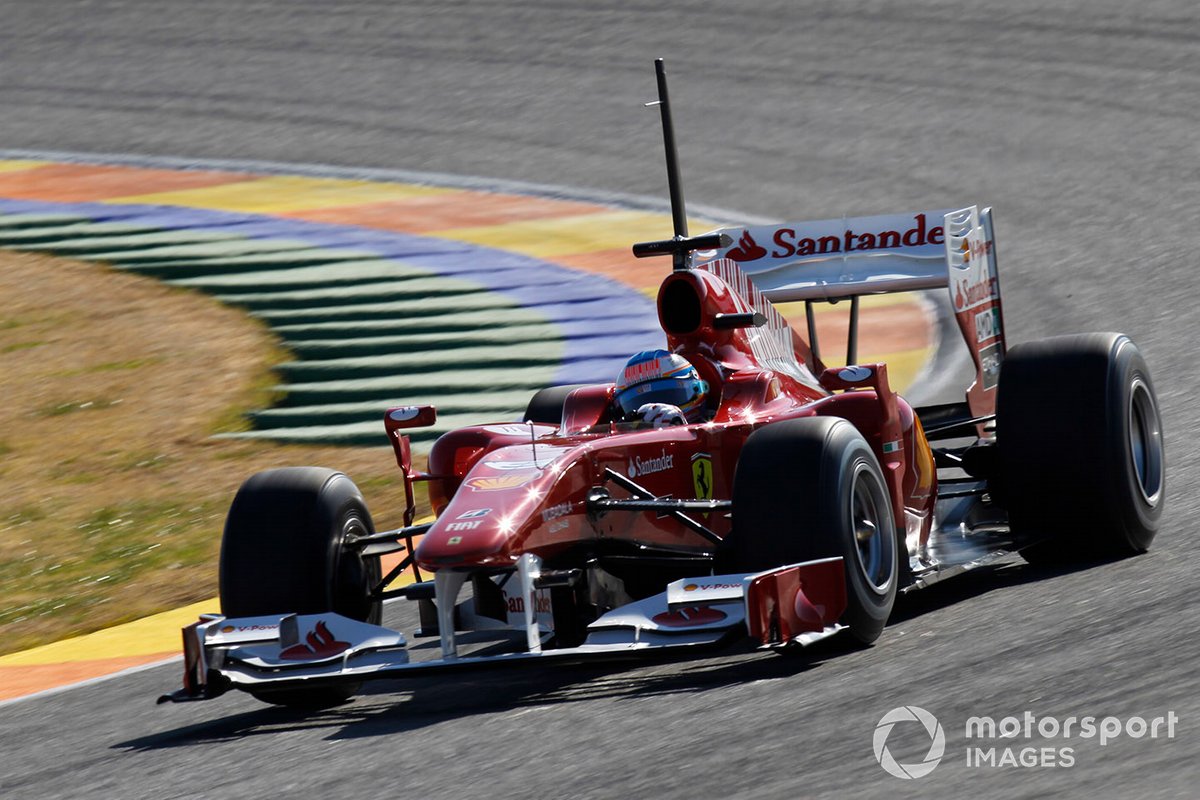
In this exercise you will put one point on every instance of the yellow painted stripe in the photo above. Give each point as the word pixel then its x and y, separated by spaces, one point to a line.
pixel 152 635
pixel 283 194
pixel 16 166
pixel 564 236
pixel 148 636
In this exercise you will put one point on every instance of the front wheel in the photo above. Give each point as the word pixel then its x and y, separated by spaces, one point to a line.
pixel 284 551
pixel 812 488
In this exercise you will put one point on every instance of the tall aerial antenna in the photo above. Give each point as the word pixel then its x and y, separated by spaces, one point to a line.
pixel 681 246
pixel 678 208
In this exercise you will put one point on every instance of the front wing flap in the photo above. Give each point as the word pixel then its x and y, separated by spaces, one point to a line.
pixel 784 607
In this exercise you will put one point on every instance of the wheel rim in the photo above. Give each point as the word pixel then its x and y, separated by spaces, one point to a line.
pixel 874 536
pixel 351 575
pixel 1145 441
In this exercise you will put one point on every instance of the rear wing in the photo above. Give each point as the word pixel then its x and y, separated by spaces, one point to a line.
pixel 843 259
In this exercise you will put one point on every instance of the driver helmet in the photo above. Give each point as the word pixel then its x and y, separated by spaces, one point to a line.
pixel 659 376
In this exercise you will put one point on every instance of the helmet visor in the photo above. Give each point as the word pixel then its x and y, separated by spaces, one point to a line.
pixel 672 391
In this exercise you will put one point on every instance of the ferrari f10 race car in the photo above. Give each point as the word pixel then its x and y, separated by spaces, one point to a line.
pixel 791 505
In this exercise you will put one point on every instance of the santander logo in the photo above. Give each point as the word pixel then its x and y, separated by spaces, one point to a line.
pixel 639 466
pixel 746 249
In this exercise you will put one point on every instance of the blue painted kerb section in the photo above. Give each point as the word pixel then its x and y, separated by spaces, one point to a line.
pixel 582 305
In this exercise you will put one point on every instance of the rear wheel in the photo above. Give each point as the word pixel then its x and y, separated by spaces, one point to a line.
pixel 1081 447
pixel 812 488
pixel 284 551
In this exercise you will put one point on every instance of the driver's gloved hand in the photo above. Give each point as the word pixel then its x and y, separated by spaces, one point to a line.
pixel 660 415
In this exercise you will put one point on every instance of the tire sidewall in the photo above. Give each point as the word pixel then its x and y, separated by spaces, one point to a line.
pixel 868 608
pixel 1139 515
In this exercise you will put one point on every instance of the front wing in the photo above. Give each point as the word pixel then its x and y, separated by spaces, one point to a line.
pixel 789 606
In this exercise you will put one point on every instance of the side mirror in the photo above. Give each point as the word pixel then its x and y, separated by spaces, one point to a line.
pixel 409 417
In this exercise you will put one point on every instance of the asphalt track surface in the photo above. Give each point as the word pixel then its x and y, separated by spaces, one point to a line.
pixel 1074 120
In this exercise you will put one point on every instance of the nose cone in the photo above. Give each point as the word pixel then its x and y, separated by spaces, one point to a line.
pixel 476 537
pixel 498 504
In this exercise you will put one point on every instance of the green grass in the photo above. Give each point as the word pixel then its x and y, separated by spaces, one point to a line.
pixel 16 347
pixel 114 546
pixel 111 366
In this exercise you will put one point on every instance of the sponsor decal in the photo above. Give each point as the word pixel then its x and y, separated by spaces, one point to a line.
pixel 990 358
pixel 319 643
pixel 975 247
pixel 541 604
pixel 515 606
pixel 746 249
pixel 855 374
pixel 404 413
pixel 454 540
pixel 464 526
pixel 643 370
pixel 639 466
pixel 969 294
pixel 249 629
pixel 695 587
pixel 474 513
pixel 689 617
pixel 499 482
pixel 987 324
pixel 558 525
pixel 556 511
pixel 787 244
pixel 702 476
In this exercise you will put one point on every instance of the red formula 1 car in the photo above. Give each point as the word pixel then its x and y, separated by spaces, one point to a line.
pixel 792 507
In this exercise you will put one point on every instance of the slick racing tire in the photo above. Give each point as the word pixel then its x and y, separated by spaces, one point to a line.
pixel 812 488
pixel 284 551
pixel 547 405
pixel 1082 467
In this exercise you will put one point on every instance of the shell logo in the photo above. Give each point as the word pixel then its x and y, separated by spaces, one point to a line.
pixel 493 484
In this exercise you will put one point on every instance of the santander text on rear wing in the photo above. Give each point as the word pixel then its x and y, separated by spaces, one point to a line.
pixel 839 258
